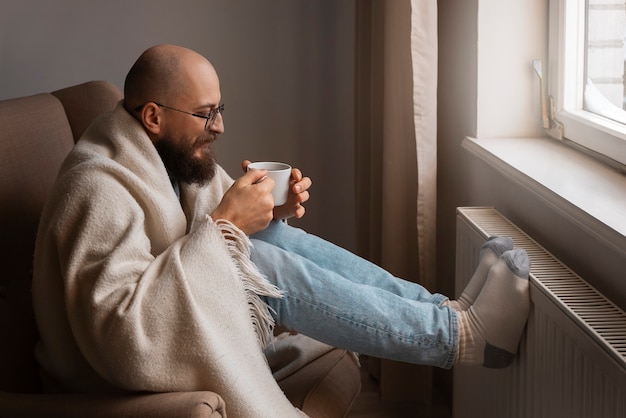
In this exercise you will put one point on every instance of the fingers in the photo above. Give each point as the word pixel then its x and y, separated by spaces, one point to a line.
pixel 299 212
pixel 254 176
pixel 248 203
pixel 301 197
pixel 301 184
pixel 296 174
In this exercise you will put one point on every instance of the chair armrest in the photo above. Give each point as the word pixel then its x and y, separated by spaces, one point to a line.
pixel 171 405
pixel 325 387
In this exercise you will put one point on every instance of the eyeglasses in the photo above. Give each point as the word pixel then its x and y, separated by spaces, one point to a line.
pixel 209 119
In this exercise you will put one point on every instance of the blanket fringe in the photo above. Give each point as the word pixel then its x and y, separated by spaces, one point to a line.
pixel 255 284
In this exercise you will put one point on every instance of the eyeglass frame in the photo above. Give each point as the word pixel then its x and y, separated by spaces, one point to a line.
pixel 209 119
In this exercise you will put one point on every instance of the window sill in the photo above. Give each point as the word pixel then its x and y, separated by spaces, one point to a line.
pixel 574 184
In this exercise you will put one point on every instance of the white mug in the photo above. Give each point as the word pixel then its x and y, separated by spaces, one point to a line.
pixel 280 173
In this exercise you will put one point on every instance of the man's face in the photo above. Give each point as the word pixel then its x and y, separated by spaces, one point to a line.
pixel 188 159
pixel 184 144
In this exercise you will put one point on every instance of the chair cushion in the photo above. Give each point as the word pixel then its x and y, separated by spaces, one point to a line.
pixel 325 387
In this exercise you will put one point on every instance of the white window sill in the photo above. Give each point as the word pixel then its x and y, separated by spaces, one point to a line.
pixel 577 185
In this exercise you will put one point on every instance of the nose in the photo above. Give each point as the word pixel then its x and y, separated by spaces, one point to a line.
pixel 218 124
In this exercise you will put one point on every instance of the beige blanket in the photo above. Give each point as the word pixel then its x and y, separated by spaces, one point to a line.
pixel 135 292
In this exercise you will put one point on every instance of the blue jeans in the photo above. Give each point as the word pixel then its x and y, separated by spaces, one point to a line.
pixel 338 298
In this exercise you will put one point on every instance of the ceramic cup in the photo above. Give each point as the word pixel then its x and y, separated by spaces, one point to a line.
pixel 280 173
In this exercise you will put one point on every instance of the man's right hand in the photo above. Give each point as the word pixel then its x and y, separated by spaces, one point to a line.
pixel 249 203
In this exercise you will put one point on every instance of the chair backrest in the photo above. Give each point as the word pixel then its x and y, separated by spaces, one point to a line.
pixel 35 137
pixel 84 102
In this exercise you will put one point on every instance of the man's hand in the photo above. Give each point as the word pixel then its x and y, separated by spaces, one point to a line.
pixel 298 194
pixel 248 204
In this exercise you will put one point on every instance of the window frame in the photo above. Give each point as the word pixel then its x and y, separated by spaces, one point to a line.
pixel 598 135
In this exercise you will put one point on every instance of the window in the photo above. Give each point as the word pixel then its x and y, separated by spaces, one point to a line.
pixel 586 84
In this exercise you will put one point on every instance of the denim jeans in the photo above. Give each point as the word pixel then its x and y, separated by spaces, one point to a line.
pixel 338 298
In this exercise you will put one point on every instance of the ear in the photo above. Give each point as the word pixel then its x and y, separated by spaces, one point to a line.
pixel 150 117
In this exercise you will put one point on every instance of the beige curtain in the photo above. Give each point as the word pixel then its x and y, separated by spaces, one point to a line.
pixel 396 135
pixel 397 153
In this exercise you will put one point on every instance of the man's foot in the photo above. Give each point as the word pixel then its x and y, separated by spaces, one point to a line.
pixel 491 250
pixel 490 330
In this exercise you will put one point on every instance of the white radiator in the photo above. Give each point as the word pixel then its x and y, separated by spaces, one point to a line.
pixel 572 359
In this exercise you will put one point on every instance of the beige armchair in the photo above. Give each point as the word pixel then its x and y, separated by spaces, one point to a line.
pixel 36 133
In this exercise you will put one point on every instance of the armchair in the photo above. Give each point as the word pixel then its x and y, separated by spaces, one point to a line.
pixel 36 134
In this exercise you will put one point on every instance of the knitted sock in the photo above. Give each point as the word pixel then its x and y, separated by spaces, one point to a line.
pixel 490 330
pixel 491 250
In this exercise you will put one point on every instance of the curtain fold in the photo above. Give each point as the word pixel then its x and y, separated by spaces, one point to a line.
pixel 396 157
pixel 396 152
pixel 424 58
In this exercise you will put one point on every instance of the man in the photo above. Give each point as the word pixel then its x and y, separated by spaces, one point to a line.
pixel 155 271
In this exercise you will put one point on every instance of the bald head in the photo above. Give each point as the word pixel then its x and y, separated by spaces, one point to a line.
pixel 165 73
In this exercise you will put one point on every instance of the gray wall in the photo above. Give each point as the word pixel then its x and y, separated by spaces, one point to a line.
pixel 286 68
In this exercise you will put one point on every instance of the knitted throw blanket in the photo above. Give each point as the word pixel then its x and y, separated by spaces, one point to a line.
pixel 135 292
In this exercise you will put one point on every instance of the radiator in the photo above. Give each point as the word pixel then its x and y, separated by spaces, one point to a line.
pixel 572 358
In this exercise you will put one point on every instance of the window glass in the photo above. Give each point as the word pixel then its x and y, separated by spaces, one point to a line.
pixel 605 55
pixel 586 82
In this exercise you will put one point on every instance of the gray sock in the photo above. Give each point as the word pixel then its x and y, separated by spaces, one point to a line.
pixel 491 250
pixel 490 330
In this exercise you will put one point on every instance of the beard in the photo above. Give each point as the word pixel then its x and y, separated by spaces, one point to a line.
pixel 183 165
